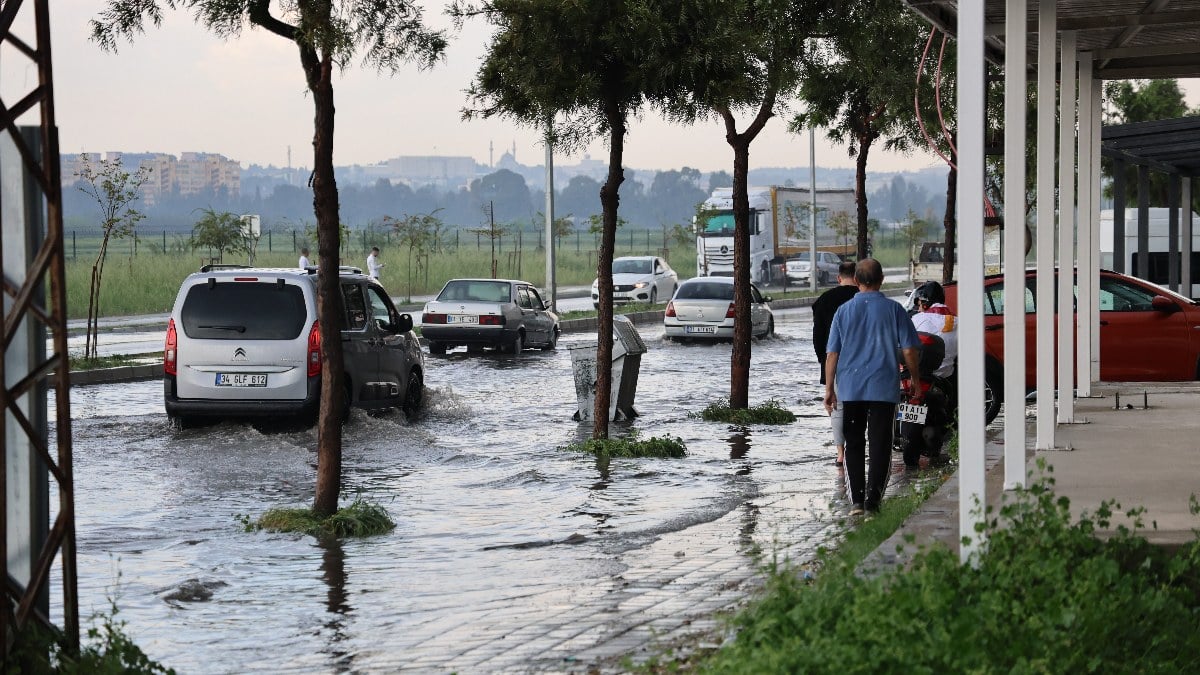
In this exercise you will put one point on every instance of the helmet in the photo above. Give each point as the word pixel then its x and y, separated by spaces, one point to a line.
pixel 930 293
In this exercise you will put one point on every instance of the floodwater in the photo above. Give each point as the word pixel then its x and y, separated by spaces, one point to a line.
pixel 489 510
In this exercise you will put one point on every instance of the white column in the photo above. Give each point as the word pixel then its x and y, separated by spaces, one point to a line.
pixel 1066 230
pixel 1094 228
pixel 970 264
pixel 1185 227
pixel 1087 185
pixel 1015 101
pixel 812 213
pixel 1047 57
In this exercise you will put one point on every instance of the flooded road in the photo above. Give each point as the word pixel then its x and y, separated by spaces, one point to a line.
pixel 493 519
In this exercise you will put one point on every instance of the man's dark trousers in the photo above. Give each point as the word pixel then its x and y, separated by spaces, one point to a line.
pixel 876 418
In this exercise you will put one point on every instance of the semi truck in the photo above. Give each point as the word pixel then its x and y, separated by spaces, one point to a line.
pixel 779 222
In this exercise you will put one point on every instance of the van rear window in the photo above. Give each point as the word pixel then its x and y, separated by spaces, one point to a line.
pixel 244 311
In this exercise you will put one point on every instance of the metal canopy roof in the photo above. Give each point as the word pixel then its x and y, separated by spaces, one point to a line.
pixel 1172 146
pixel 1128 39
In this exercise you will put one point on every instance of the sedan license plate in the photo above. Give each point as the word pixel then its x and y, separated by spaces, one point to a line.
pixel 241 379
pixel 461 318
pixel 907 412
pixel 700 329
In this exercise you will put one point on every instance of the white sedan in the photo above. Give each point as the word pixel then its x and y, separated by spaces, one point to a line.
pixel 797 268
pixel 644 278
pixel 703 308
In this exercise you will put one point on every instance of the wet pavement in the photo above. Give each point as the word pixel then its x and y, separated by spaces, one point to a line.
pixel 510 553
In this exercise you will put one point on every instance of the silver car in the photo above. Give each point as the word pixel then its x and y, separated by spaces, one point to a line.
pixel 797 268
pixel 244 342
pixel 504 313
pixel 643 278
pixel 703 308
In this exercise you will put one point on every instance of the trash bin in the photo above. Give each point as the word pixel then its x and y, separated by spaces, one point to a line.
pixel 627 351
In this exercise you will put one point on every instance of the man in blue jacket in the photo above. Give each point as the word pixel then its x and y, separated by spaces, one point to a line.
pixel 861 362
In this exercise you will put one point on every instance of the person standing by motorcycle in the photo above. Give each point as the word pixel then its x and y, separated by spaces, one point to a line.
pixel 862 371
pixel 823 310
pixel 933 316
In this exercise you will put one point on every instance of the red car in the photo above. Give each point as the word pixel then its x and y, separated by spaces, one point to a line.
pixel 1147 333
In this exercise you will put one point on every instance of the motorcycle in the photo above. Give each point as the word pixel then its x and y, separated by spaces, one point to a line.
pixel 924 421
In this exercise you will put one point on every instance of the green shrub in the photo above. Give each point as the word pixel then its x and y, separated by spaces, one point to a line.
pixel 771 412
pixel 1047 596
pixel 360 519
pixel 632 446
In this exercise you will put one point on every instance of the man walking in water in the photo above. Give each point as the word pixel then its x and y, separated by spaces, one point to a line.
pixel 862 371
pixel 823 310
pixel 373 264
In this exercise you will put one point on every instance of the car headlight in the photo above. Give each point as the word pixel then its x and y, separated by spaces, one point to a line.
pixel 641 284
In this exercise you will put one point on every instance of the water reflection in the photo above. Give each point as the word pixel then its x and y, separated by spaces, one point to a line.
pixel 333 573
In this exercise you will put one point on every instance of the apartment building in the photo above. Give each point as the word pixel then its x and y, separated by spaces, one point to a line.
pixel 191 173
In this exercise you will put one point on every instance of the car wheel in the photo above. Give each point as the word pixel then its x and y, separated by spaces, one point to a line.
pixel 654 296
pixel 179 422
pixel 993 390
pixel 553 343
pixel 517 345
pixel 437 348
pixel 414 396
pixel 770 326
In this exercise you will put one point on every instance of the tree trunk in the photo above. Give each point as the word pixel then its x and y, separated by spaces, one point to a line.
pixel 950 222
pixel 860 192
pixel 319 71
pixel 739 367
pixel 609 201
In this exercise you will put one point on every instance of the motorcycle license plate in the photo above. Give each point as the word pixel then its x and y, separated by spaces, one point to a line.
pixel 907 412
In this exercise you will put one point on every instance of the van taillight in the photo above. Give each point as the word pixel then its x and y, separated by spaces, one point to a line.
pixel 170 351
pixel 670 309
pixel 314 350
pixel 729 312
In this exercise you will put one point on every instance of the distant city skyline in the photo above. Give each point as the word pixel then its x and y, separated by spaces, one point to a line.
pixel 178 88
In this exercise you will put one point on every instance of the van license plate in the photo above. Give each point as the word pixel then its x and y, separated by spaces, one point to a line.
pixel 241 379
pixel 461 318
pixel 700 329
pixel 906 412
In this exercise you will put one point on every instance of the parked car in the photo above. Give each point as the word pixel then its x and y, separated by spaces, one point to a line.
pixel 703 308
pixel 243 342
pixel 644 278
pixel 503 313
pixel 1147 333
pixel 798 269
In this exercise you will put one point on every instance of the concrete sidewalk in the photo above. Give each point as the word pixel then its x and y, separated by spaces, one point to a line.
pixel 1144 453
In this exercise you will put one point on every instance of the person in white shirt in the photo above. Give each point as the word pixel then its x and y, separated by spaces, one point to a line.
pixel 933 316
pixel 373 264
pixel 304 258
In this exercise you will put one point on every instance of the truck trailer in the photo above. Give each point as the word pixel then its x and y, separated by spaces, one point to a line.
pixel 772 210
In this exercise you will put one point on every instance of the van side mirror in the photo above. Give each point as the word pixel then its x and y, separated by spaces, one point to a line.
pixel 1161 303
pixel 404 323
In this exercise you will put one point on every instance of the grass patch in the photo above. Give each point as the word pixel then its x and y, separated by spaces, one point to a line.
pixel 666 447
pixel 631 308
pixel 770 412
pixel 1047 595
pixel 111 361
pixel 361 518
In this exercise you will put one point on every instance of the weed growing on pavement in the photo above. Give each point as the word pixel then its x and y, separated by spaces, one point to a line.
pixel 1046 595
pixel 770 412
pixel 361 518
pixel 632 446
pixel 112 361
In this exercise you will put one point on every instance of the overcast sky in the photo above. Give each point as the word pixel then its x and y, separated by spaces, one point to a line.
pixel 177 88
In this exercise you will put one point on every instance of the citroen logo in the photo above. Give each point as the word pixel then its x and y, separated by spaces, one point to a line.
pixel 239 354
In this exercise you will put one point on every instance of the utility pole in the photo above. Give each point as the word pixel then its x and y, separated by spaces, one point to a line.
pixel 551 280
pixel 812 211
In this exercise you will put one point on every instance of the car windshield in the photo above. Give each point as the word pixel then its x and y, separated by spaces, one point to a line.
pixel 632 266
pixel 475 290
pixel 705 290
pixel 802 257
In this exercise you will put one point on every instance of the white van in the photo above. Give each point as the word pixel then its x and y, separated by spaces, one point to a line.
pixel 244 342
pixel 1158 248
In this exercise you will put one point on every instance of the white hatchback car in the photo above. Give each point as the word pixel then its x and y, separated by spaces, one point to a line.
pixel 243 342
pixel 644 278
pixel 703 308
